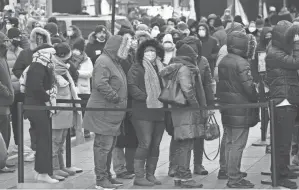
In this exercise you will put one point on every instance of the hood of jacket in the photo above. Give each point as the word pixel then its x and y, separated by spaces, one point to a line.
pixel 241 44
pixel 38 30
pixel 170 71
pixel 264 31
pixel 92 37
pixel 153 43
pixel 77 32
pixel 118 47
pixel 234 26
pixel 278 35
pixel 206 27
pixel 195 43
pixel 291 32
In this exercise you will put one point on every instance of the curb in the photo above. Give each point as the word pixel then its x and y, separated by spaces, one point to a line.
pixel 73 144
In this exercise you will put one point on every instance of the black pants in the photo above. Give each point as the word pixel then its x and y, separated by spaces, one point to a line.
pixel 43 156
pixel 14 115
pixel 284 123
pixel 84 97
pixel 5 129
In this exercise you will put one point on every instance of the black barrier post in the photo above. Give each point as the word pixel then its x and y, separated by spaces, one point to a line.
pixel 68 150
pixel 273 144
pixel 21 144
pixel 50 147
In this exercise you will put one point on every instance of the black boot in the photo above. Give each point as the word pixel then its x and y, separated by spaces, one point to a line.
pixel 140 174
pixel 151 166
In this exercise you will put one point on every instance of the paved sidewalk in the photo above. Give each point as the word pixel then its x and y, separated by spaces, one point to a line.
pixel 254 161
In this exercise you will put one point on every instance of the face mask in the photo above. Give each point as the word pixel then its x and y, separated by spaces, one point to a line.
pixel 16 43
pixel 8 26
pixel 252 29
pixel 100 40
pixel 227 13
pixel 70 33
pixel 150 55
pixel 167 46
pixel 202 33
pixel 76 52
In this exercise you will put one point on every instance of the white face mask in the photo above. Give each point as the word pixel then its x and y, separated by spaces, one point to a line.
pixel 150 55
pixel 252 29
pixel 70 33
pixel 76 52
pixel 8 26
pixel 202 33
pixel 167 45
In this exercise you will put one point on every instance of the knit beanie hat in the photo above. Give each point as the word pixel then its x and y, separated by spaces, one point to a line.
pixel 52 20
pixel 218 22
pixel 142 27
pixel 79 44
pixel 183 28
pixel 212 16
pixel 13 33
pixel 63 51
pixel 125 30
pixel 100 28
pixel 52 28
pixel 185 50
pixel 14 21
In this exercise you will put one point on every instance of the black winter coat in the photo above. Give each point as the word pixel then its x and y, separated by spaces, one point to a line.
pixel 236 84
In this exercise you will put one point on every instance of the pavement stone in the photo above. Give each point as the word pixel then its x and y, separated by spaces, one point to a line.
pixel 254 161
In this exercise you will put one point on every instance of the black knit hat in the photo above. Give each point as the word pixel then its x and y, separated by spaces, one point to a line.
pixel 63 50
pixel 185 50
pixel 13 33
pixel 125 30
pixel 79 44
pixel 218 22
pixel 100 28
pixel 52 28
pixel 14 21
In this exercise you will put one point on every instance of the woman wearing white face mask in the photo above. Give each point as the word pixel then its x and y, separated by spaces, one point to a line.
pixel 73 34
pixel 252 29
pixel 169 48
pixel 145 85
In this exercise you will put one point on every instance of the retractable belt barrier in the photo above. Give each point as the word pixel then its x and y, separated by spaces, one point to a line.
pixel 21 108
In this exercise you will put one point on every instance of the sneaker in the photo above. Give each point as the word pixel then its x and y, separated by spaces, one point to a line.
pixel 115 182
pixel 190 184
pixel 242 184
pixel 30 157
pixel 125 175
pixel 222 174
pixel 45 178
pixel 287 184
pixel 171 172
pixel 200 170
pixel 70 172
pixel 105 184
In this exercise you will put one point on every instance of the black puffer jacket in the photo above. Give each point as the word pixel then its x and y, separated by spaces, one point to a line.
pixel 236 83
pixel 282 76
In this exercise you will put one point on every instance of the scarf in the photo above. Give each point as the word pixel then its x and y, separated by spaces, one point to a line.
pixel 77 60
pixel 152 84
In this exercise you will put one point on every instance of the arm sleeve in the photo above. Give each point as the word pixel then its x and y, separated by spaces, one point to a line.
pixel 20 65
pixel 101 80
pixel 287 61
pixel 73 72
pixel 185 81
pixel 90 53
pixel 245 77
pixel 134 91
pixel 208 85
pixel 4 90
pixel 35 81
pixel 85 70
pixel 24 42
pixel 215 49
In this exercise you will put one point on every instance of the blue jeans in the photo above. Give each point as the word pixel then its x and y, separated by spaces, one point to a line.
pixel 236 140
pixel 102 149
pixel 181 157
pixel 58 140
pixel 223 153
pixel 149 134
pixel 123 160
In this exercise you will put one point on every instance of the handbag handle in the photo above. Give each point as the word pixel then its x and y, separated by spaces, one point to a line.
pixel 218 151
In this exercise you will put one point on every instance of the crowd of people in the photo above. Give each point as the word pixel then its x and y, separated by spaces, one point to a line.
pixel 132 69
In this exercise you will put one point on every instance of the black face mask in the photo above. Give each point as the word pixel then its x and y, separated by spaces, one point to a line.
pixel 16 43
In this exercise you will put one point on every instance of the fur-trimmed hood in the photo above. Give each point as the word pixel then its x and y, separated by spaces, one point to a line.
pixel 118 46
pixel 153 43
pixel 35 31
pixel 241 44
pixel 92 38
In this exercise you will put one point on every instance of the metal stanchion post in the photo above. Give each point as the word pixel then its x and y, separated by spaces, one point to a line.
pixel 273 146
pixel 50 147
pixel 68 151
pixel 21 144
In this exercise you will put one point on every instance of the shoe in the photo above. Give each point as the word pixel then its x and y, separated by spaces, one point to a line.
pixel 105 184
pixel 30 157
pixel 70 172
pixel 222 175
pixel 74 169
pixel 200 170
pixel 190 183
pixel 268 149
pixel 125 175
pixel 151 166
pixel 140 173
pixel 7 170
pixel 61 173
pixel 115 182
pixel 45 178
pixel 242 184
pixel 171 172
pixel 57 177
pixel 287 184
